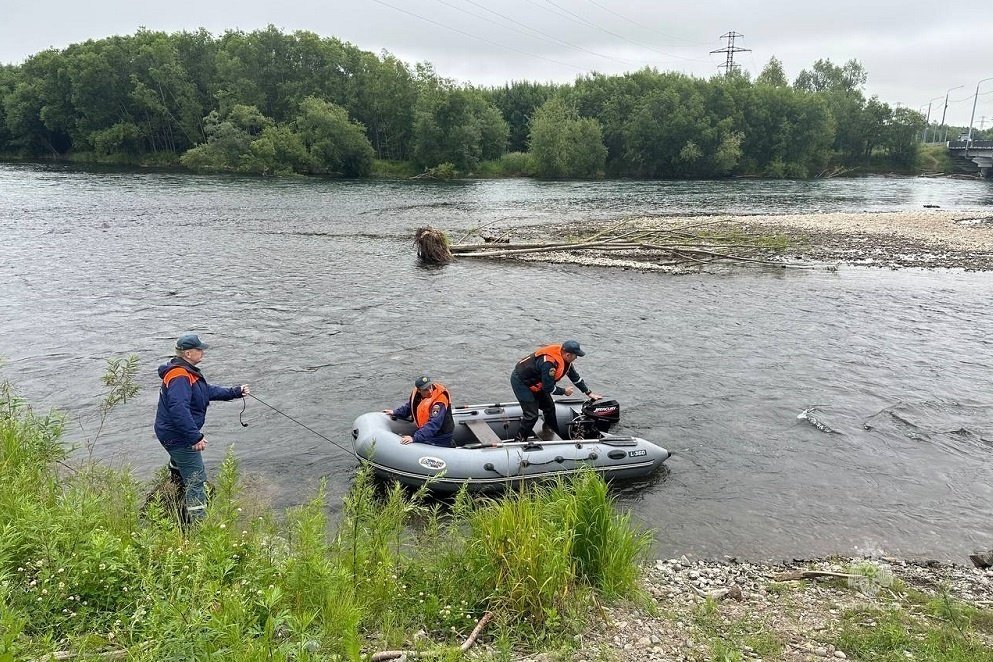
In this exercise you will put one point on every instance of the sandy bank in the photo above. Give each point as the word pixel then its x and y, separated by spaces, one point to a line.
pixel 928 239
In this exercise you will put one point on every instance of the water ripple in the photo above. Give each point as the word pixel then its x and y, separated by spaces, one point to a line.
pixel 309 290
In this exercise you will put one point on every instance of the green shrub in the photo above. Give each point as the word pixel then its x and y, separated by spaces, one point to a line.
pixel 934 158
pixel 442 171
pixel 393 169
pixel 895 634
pixel 81 557
pixel 796 171
pixel 512 164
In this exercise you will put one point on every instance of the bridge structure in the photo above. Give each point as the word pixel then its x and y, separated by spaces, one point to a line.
pixel 979 152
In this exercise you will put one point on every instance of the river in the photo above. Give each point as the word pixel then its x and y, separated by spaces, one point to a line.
pixel 309 290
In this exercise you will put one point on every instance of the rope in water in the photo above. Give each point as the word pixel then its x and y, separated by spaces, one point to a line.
pixel 305 427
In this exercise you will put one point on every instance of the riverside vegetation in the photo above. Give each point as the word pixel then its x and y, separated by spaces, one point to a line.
pixel 272 103
pixel 88 572
pixel 85 570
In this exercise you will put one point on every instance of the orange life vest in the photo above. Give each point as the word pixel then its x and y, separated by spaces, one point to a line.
pixel 527 368
pixel 420 405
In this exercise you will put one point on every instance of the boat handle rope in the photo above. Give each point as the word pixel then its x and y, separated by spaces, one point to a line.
pixel 305 427
pixel 559 460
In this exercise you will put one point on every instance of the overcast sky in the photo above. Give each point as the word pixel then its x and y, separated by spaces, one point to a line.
pixel 913 50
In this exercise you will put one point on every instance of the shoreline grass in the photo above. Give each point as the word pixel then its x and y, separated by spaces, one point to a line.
pixel 89 570
pixel 85 569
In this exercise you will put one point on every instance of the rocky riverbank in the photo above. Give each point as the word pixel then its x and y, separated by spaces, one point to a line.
pixel 802 610
pixel 924 239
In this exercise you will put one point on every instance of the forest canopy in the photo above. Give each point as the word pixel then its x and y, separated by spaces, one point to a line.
pixel 269 102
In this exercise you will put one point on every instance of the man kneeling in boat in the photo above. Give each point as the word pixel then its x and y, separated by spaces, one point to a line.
pixel 430 407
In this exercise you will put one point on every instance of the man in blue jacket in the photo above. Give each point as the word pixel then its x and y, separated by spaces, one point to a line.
pixel 430 407
pixel 183 400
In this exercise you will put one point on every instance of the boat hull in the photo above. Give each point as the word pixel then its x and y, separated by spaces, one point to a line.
pixel 493 462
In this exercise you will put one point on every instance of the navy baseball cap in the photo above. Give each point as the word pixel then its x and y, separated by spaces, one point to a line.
pixel 572 346
pixel 190 341
pixel 422 382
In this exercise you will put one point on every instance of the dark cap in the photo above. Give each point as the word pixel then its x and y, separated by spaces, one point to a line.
pixel 572 346
pixel 190 341
pixel 422 382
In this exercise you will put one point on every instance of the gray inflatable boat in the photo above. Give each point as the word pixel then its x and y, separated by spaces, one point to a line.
pixel 487 458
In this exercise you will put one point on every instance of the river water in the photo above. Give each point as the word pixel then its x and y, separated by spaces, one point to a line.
pixel 309 290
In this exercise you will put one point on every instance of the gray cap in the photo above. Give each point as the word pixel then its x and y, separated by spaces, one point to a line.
pixel 190 341
pixel 422 382
pixel 572 346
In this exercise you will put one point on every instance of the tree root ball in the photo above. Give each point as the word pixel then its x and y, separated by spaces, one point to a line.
pixel 432 246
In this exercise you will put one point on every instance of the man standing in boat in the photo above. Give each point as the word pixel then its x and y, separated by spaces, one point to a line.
pixel 430 407
pixel 534 382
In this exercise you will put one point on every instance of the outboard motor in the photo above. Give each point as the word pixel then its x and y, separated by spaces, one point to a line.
pixel 596 418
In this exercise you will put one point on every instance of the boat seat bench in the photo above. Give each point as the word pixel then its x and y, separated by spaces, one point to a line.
pixel 483 432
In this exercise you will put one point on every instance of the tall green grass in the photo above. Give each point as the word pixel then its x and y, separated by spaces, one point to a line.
pixel 537 551
pixel 393 169
pixel 935 158
pixel 84 567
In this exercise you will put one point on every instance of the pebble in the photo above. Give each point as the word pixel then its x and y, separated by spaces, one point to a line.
pixel 932 238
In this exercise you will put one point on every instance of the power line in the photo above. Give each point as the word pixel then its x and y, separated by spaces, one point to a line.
pixel 755 67
pixel 469 34
pixel 639 24
pixel 534 30
pixel 565 13
pixel 730 50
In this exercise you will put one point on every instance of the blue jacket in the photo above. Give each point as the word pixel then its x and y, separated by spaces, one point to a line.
pixel 183 400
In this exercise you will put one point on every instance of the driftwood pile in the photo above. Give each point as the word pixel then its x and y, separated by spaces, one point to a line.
pixel 691 244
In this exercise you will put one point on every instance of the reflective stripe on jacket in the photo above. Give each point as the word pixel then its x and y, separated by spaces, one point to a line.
pixel 184 396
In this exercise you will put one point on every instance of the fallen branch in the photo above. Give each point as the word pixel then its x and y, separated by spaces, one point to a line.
pixel 466 645
pixel 814 574
pixel 115 654
pixel 475 230
pixel 689 244
pixel 734 257
pixel 539 249
pixel 469 248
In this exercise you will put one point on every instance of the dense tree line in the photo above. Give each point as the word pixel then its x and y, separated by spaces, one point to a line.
pixel 271 103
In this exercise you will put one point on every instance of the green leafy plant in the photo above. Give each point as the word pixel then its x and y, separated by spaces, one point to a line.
pixel 80 558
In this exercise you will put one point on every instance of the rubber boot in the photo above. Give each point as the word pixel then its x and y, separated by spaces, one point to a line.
pixel 179 505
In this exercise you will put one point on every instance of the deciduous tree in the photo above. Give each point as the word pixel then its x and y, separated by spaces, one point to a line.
pixel 564 144
pixel 334 143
